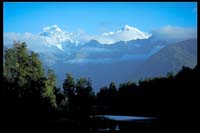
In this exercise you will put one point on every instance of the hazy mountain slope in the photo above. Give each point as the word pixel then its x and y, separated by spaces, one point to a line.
pixel 170 59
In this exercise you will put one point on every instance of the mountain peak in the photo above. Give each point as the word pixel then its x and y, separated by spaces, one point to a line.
pixel 56 36
pixel 56 33
pixel 126 33
pixel 128 28
pixel 52 28
pixel 131 29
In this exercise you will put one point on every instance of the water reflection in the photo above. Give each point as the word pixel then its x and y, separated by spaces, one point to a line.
pixel 124 118
pixel 122 123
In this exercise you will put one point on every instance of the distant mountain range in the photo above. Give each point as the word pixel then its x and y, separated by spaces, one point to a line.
pixel 119 56
pixel 126 33
pixel 136 66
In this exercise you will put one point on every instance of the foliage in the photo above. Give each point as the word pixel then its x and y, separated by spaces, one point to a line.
pixel 69 85
pixel 25 80
pixel 50 88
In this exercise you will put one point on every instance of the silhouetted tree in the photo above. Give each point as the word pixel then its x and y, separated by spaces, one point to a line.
pixel 69 91
pixel 84 100
pixel 61 100
pixel 69 85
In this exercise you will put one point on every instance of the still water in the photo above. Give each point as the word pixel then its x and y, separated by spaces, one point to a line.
pixel 124 118
pixel 121 123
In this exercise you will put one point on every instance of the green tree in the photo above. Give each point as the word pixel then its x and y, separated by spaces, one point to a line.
pixel 69 85
pixel 50 88
pixel 22 67
pixel 170 74
pixel 84 87
pixel 69 92
pixel 25 79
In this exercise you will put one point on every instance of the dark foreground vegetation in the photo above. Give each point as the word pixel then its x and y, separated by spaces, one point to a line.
pixel 30 99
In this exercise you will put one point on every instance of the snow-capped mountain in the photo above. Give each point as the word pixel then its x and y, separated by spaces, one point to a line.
pixel 54 33
pixel 60 37
pixel 126 33
pixel 138 34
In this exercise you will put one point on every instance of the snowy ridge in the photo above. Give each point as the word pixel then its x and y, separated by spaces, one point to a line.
pixel 56 33
pixel 59 36
pixel 127 33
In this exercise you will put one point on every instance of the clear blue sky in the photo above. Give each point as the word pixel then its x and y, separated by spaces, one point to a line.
pixel 96 17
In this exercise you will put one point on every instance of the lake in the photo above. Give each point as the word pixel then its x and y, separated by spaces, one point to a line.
pixel 123 123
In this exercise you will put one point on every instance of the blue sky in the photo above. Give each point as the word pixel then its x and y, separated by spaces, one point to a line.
pixel 97 17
